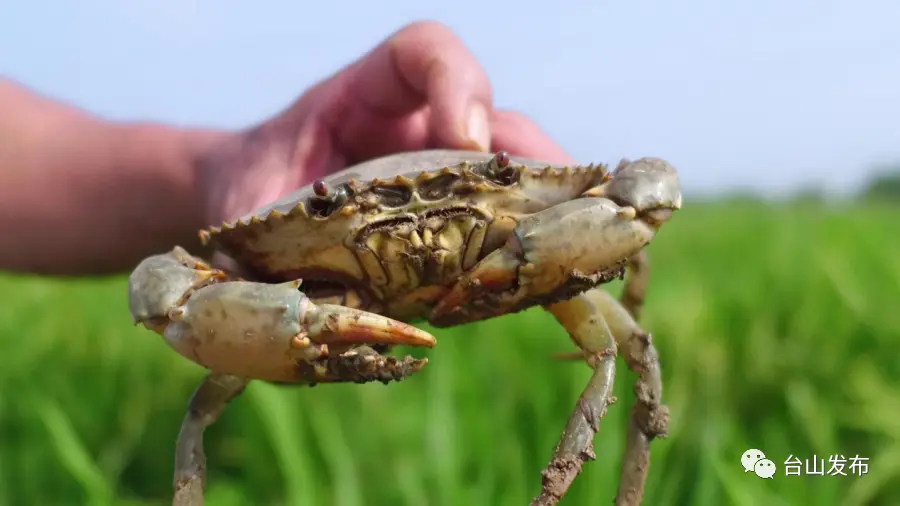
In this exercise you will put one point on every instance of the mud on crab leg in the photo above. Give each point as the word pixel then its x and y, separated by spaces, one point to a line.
pixel 600 325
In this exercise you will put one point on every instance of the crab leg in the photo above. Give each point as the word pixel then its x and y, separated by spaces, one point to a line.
pixel 599 325
pixel 207 403
pixel 580 317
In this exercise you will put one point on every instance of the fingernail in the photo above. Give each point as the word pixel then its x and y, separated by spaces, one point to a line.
pixel 478 127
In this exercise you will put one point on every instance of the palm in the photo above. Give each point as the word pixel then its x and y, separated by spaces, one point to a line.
pixel 419 89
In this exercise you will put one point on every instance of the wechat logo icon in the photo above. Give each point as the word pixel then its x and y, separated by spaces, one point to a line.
pixel 755 461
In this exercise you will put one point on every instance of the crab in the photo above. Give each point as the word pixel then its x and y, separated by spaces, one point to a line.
pixel 332 277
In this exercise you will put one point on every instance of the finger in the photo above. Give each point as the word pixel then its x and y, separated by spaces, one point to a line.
pixel 516 133
pixel 366 135
pixel 425 64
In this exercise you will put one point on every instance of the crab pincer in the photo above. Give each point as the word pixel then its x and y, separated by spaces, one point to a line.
pixel 261 331
pixel 566 249
pixel 250 329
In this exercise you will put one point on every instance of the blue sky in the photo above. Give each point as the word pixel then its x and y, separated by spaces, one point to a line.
pixel 769 94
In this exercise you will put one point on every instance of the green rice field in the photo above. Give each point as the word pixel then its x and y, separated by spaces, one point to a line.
pixel 778 327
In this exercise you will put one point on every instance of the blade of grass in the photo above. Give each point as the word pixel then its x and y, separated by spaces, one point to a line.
pixel 282 427
pixel 72 454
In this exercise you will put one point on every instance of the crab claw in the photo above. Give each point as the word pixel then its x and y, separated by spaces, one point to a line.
pixel 649 185
pixel 331 324
pixel 161 282
pixel 271 331
pixel 568 248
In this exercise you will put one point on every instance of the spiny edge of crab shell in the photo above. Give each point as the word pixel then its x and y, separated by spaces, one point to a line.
pixel 208 234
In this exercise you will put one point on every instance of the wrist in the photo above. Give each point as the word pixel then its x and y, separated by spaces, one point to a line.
pixel 232 170
pixel 203 152
pixel 169 162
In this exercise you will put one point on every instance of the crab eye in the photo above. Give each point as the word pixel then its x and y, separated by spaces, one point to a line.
pixel 342 194
pixel 320 188
pixel 502 158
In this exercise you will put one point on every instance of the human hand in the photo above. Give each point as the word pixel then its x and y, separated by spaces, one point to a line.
pixel 419 89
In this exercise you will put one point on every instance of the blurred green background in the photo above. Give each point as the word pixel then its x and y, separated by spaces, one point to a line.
pixel 778 326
